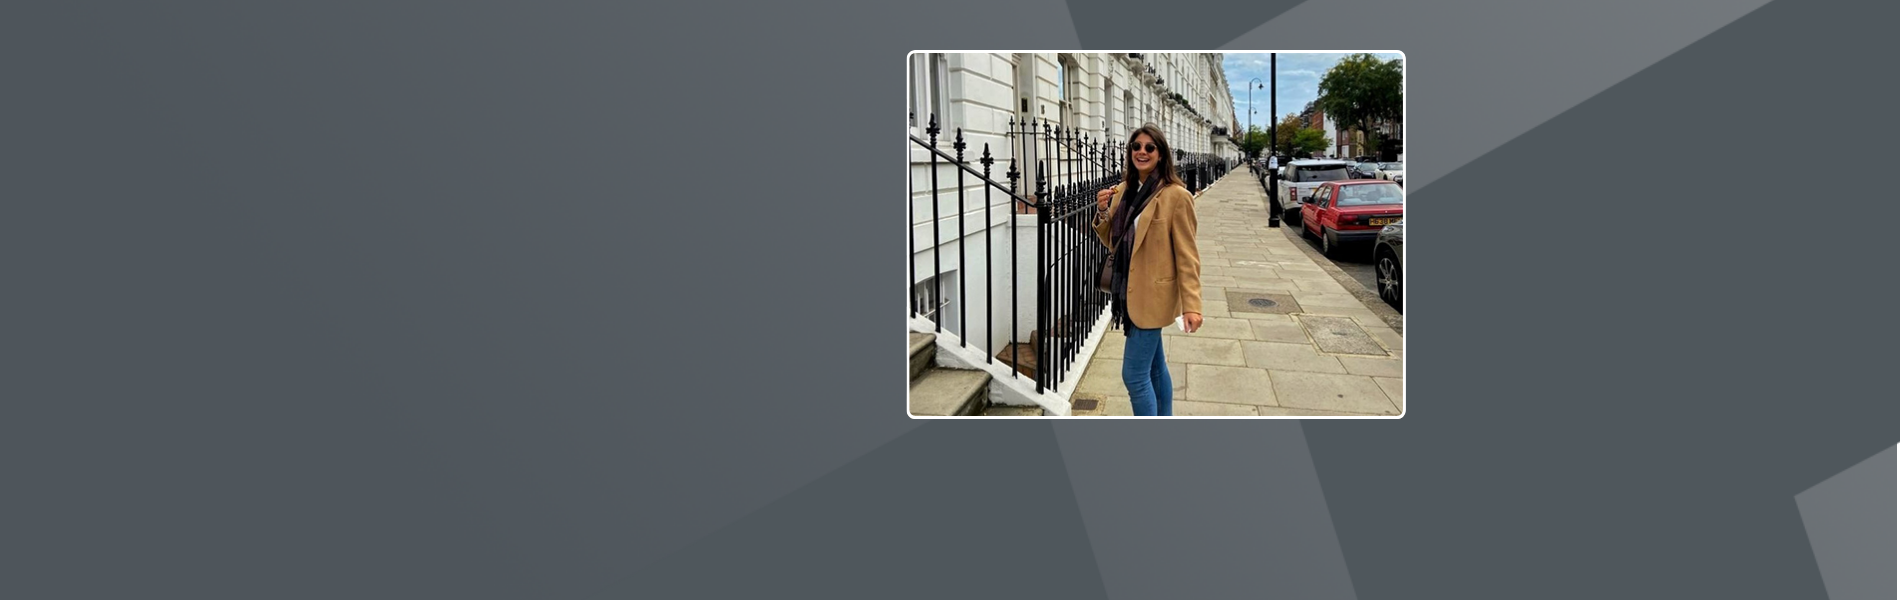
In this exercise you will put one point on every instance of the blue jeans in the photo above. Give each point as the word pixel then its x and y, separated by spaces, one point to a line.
pixel 1145 372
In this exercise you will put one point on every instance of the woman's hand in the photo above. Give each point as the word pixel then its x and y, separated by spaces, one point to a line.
pixel 1102 198
pixel 1192 321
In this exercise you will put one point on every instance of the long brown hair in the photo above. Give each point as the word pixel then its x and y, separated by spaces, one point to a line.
pixel 1131 176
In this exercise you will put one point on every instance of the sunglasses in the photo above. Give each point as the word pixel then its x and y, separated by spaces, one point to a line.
pixel 1149 148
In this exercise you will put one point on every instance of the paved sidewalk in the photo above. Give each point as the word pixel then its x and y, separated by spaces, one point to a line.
pixel 1329 355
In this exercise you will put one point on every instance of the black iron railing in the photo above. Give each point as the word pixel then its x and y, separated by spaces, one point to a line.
pixel 1199 170
pixel 1069 167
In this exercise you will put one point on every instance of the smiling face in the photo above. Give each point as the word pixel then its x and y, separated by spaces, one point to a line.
pixel 1144 153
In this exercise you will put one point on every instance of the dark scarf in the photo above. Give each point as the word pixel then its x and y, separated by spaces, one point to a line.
pixel 1122 230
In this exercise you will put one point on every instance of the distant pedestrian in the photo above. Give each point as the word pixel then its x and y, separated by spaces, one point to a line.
pixel 1154 273
pixel 1273 191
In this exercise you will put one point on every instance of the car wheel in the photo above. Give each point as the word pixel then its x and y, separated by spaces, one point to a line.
pixel 1327 246
pixel 1390 279
pixel 1305 234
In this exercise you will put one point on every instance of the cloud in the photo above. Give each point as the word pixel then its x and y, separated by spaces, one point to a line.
pixel 1299 75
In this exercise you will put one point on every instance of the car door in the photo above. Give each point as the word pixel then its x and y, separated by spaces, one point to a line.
pixel 1310 211
pixel 1323 209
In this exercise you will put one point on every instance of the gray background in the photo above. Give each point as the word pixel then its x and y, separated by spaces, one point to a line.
pixel 559 300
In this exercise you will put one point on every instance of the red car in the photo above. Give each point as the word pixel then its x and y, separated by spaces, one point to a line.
pixel 1342 212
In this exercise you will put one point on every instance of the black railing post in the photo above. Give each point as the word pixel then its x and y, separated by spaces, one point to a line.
pixel 1042 276
pixel 963 265
pixel 1045 201
pixel 989 267
pixel 1062 235
pixel 936 247
pixel 1014 300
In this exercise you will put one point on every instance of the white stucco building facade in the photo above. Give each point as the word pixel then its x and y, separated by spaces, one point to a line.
pixel 962 243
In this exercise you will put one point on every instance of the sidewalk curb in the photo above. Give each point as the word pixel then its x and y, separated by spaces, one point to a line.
pixel 1369 298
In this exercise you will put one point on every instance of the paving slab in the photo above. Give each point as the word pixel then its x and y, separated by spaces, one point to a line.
pixel 1323 299
pixel 1376 367
pixel 1281 411
pixel 1386 336
pixel 1189 408
pixel 1104 376
pixel 1278 330
pixel 1339 335
pixel 1394 389
pixel 1289 357
pixel 1328 287
pixel 1216 327
pixel 1232 385
pixel 1327 391
pixel 1207 351
pixel 1213 308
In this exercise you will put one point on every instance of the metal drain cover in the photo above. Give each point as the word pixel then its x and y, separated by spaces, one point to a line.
pixel 1087 404
pixel 1261 302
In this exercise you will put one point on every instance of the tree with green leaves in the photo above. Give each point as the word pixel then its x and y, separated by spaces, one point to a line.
pixel 1362 91
pixel 1254 141
pixel 1293 137
pixel 1309 140
pixel 1283 135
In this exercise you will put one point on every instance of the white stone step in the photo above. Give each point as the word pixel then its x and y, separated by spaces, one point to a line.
pixel 949 392
pixel 923 350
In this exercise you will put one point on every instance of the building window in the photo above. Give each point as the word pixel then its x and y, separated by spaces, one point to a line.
pixel 929 91
pixel 935 298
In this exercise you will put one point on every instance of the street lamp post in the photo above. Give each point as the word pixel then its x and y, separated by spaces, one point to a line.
pixel 1251 85
pixel 1273 136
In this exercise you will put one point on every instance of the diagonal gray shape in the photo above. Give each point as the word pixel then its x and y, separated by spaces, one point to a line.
pixel 1183 25
pixel 856 412
pixel 1200 509
pixel 1532 60
pixel 1603 402
pixel 1851 525
pixel 929 515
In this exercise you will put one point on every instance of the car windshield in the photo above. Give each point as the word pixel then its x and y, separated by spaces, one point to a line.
pixel 1392 166
pixel 1379 193
pixel 1321 173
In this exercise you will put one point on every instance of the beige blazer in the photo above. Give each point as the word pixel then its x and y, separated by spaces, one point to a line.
pixel 1164 275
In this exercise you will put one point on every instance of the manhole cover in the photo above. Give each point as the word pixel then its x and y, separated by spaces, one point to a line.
pixel 1340 335
pixel 1087 403
pixel 1261 302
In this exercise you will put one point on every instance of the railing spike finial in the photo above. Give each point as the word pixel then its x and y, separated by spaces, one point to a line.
pixel 933 129
pixel 959 145
pixel 986 160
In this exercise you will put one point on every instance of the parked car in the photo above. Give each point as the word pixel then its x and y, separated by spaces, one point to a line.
pixel 1301 177
pixel 1346 212
pixel 1388 252
pixel 1366 171
pixel 1391 171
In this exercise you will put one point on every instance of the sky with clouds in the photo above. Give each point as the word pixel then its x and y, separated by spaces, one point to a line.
pixel 1299 80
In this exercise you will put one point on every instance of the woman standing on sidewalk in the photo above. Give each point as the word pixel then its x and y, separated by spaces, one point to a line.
pixel 1155 270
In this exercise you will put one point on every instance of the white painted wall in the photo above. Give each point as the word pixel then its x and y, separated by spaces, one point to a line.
pixel 983 95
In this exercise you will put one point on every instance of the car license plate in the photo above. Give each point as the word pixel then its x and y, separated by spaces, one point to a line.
pixel 1384 221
